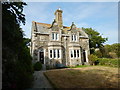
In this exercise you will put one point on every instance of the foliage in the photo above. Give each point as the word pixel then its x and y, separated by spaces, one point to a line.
pixel 37 66
pixel 98 54
pixel 114 48
pixel 95 39
pixel 109 51
pixel 16 64
pixel 112 55
pixel 27 41
pixel 109 62
pixel 93 59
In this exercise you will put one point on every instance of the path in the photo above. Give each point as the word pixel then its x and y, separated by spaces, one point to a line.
pixel 40 80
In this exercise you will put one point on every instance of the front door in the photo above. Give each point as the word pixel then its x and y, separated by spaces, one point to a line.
pixel 84 56
pixel 41 57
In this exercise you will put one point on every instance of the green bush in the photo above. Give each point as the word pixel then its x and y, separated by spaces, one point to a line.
pixel 92 59
pixel 37 66
pixel 109 62
pixel 112 55
pixel 98 54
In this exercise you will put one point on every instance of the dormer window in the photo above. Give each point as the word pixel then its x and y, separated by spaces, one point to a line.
pixel 74 37
pixel 55 36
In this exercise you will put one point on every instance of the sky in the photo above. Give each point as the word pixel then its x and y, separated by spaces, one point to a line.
pixel 101 16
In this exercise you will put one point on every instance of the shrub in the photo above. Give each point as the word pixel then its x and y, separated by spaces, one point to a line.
pixel 109 62
pixel 112 55
pixel 98 54
pixel 37 66
pixel 93 59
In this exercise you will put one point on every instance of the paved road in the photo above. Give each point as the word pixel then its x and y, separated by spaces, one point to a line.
pixel 40 80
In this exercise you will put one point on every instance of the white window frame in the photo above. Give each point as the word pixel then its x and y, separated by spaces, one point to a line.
pixel 55 36
pixel 55 56
pixel 74 38
pixel 74 52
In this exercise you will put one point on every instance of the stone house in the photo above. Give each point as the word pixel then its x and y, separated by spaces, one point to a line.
pixel 54 43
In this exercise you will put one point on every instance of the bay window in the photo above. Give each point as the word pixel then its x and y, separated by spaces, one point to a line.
pixel 75 53
pixel 55 53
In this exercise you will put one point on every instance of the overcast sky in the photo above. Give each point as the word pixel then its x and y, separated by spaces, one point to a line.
pixel 101 16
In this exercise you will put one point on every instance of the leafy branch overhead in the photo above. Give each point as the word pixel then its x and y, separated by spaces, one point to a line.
pixel 16 59
pixel 15 10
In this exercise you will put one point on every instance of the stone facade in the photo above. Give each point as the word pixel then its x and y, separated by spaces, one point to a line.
pixel 54 43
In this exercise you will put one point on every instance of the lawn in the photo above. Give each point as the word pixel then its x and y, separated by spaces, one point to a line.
pixel 84 77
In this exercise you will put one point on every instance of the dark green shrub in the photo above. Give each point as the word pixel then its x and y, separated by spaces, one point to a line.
pixel 109 62
pixel 37 66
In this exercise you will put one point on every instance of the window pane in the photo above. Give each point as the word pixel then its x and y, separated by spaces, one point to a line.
pixel 74 53
pixel 50 53
pixel 56 36
pixel 54 53
pixel 58 52
pixel 78 53
pixel 72 37
pixel 75 37
pixel 71 54
pixel 52 36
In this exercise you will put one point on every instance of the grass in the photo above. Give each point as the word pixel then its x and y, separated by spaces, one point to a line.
pixel 85 77
pixel 80 66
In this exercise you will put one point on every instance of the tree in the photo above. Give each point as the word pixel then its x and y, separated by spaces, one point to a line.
pixel 95 39
pixel 16 60
pixel 113 50
pixel 116 48
pixel 27 41
pixel 109 51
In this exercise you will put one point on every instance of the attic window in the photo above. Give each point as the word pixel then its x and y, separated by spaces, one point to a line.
pixel 74 37
pixel 55 36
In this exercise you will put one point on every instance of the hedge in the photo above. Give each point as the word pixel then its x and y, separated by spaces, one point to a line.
pixel 109 62
pixel 37 66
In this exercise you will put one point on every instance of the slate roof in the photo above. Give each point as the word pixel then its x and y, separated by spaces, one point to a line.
pixel 43 28
pixel 49 25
